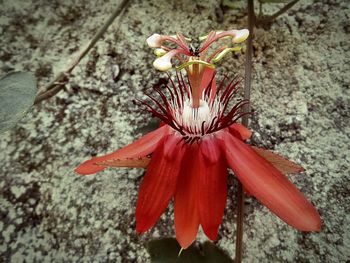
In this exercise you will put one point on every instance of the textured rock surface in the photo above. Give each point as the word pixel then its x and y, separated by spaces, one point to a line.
pixel 300 93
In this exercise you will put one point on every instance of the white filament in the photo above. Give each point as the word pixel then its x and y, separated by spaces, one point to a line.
pixel 193 118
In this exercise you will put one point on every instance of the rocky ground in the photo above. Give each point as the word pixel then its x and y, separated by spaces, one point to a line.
pixel 300 93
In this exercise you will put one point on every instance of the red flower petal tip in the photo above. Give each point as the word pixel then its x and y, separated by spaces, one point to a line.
pixel 311 222
pixel 141 228
pixel 89 167
pixel 212 232
pixel 267 184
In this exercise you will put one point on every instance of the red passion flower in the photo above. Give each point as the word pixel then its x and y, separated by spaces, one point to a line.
pixel 187 158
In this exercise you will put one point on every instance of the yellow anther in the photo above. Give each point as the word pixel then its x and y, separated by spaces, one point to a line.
pixel 159 52
pixel 240 36
pixel 223 53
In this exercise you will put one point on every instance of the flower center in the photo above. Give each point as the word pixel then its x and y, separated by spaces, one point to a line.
pixel 174 106
pixel 196 121
pixel 196 116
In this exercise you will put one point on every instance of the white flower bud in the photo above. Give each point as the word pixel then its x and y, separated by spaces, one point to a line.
pixel 154 41
pixel 159 52
pixel 240 36
pixel 163 63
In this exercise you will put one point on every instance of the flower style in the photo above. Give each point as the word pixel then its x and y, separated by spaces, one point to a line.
pixel 195 60
pixel 187 157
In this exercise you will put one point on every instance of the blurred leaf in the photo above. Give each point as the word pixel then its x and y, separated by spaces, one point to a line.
pixel 274 1
pixel 229 3
pixel 17 93
pixel 166 250
pixel 215 254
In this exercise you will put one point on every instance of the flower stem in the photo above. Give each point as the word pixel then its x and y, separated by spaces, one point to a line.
pixel 61 79
pixel 270 19
pixel 246 108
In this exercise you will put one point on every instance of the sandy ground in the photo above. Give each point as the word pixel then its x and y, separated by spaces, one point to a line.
pixel 300 93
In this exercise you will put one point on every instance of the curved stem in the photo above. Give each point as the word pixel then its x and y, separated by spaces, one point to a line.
pixel 179 43
pixel 61 79
pixel 208 41
pixel 272 17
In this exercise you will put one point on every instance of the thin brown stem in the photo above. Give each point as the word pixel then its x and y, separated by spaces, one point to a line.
pixel 62 78
pixel 246 109
pixel 269 19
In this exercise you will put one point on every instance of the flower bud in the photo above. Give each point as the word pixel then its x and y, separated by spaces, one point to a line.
pixel 163 63
pixel 240 36
pixel 154 41
pixel 159 52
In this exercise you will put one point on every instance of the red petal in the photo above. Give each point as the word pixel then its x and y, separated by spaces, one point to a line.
pixel 140 148
pixel 130 163
pixel 158 185
pixel 212 192
pixel 240 131
pixel 283 165
pixel 246 192
pixel 269 186
pixel 208 74
pixel 186 198
pixel 210 150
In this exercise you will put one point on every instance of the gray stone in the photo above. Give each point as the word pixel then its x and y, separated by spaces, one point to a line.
pixel 300 91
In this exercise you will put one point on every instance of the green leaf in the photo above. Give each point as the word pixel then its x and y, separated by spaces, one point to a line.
pixel 230 4
pixel 17 93
pixel 167 250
